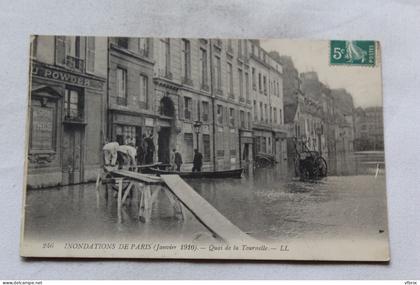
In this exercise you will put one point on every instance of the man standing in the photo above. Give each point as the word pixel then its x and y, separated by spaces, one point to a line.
pixel 177 160
pixel 198 161
pixel 150 149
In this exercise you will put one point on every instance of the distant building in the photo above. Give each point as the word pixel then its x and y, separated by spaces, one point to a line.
pixel 369 130
pixel 344 115
pixel 67 109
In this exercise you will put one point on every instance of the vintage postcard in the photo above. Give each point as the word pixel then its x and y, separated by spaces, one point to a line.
pixel 182 148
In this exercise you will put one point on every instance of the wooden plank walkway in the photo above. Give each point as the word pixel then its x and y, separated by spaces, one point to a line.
pixel 205 212
pixel 145 178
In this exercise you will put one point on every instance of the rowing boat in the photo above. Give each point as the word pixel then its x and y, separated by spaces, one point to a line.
pixel 232 173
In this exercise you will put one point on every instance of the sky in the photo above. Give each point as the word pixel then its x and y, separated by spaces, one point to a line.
pixel 364 83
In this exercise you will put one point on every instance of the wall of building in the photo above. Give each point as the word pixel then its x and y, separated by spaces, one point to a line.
pixel 66 116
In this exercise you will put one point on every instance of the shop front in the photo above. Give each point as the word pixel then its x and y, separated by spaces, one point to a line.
pixel 64 138
pixel 131 128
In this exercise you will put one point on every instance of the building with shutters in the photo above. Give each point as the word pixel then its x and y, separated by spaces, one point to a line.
pixel 269 132
pixel 66 119
pixel 132 110
pixel 194 93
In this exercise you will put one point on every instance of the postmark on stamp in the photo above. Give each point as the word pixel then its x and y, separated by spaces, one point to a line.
pixel 353 53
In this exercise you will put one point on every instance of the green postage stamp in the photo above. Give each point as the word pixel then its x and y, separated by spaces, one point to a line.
pixel 353 53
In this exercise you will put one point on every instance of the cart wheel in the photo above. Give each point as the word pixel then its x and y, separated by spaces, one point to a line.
pixel 322 167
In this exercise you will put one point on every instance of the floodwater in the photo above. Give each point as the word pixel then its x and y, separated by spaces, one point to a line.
pixel 268 203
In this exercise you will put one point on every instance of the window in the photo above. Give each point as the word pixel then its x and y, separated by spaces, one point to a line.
pixel 254 84
pixel 247 85
pixel 241 83
pixel 249 120
pixel 255 111
pixel 187 108
pixel 206 147
pixel 143 89
pixel 188 153
pixel 242 118
pixel 271 114
pixel 239 48
pixel 280 116
pixel 34 46
pixel 264 145
pixel 90 54
pixel 60 50
pixel 206 111
pixel 231 117
pixel 261 112
pixel 73 104
pixel 230 79
pixel 218 74
pixel 275 115
pixel 266 112
pixel 220 114
pixel 203 60
pixel 186 64
pixel 144 46
pixel 259 82
pixel 265 84
pixel 122 42
pixel 164 57
pixel 229 45
pixel 121 86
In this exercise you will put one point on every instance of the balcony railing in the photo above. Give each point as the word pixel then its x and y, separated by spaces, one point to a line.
pixel 75 63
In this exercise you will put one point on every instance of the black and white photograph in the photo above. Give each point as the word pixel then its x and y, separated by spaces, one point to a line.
pixel 204 148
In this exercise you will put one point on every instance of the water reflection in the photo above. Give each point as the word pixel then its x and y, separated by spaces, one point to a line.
pixel 268 203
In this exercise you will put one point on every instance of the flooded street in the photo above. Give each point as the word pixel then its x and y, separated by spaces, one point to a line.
pixel 269 204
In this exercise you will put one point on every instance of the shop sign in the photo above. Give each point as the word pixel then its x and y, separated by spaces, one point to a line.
pixel 148 122
pixel 63 76
pixel 129 120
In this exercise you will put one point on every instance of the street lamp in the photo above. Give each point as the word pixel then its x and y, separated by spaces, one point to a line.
pixel 197 129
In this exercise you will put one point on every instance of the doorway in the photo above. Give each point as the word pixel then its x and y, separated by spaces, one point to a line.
pixel 73 155
pixel 163 144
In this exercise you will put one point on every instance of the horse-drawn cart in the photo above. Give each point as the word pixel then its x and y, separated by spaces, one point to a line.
pixel 309 164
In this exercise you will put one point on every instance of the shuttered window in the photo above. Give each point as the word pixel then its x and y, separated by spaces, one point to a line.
pixel 60 50
pixel 121 86
pixel 90 54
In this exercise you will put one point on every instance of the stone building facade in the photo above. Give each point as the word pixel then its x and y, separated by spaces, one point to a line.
pixel 66 118
pixel 269 132
pixel 222 96
pixel 131 108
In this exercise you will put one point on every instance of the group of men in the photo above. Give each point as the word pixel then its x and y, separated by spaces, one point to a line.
pixel 143 154
pixel 176 160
